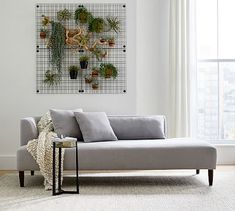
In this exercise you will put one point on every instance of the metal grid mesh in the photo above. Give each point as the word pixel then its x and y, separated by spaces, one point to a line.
pixel 116 55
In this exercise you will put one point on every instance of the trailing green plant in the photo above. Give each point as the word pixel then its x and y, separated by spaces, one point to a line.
pixel 96 25
pixel 57 44
pixel 82 15
pixel 64 15
pixel 51 78
pixel 108 70
pixel 84 58
pixel 114 24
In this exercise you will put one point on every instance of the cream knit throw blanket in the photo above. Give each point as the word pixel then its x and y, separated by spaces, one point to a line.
pixel 42 152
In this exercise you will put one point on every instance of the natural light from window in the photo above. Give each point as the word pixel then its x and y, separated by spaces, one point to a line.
pixel 216 69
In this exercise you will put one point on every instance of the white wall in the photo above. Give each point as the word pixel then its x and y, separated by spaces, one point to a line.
pixel 152 56
pixel 148 56
pixel 17 75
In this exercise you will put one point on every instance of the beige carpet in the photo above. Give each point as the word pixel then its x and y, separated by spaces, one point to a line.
pixel 145 190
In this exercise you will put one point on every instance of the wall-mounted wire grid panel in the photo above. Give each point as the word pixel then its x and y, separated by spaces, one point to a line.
pixel 115 55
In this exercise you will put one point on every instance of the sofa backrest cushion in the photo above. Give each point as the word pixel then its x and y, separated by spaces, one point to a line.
pixel 138 127
pixel 95 126
pixel 65 123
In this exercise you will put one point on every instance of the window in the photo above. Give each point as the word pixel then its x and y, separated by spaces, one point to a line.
pixel 215 69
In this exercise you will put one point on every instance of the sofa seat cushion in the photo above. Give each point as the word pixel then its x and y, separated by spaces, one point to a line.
pixel 143 155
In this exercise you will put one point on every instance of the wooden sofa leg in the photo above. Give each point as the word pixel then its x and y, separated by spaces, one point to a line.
pixel 32 173
pixel 210 176
pixel 21 178
pixel 197 171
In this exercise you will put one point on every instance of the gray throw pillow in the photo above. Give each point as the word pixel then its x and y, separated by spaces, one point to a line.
pixel 95 126
pixel 65 123
pixel 138 127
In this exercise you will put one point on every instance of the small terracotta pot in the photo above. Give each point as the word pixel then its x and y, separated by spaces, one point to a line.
pixel 43 35
pixel 95 86
pixel 111 44
pixel 94 73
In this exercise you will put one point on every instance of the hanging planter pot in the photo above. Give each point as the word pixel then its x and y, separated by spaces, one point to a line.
pixel 95 72
pixel 88 79
pixel 84 62
pixel 73 72
pixel 43 33
pixel 95 85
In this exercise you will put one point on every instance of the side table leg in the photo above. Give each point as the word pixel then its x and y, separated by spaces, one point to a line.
pixel 59 176
pixel 53 172
pixel 77 180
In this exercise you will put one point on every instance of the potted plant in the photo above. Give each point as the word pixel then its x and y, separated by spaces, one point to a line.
pixel 111 42
pixel 113 24
pixel 95 84
pixel 84 61
pixel 88 79
pixel 64 15
pixel 96 25
pixel 102 40
pixel 43 33
pixel 95 72
pixel 73 72
pixel 51 78
pixel 108 70
pixel 82 15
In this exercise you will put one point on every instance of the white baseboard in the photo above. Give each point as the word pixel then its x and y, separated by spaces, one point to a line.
pixel 225 156
pixel 7 162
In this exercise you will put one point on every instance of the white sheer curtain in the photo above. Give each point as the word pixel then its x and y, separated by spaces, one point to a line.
pixel 182 67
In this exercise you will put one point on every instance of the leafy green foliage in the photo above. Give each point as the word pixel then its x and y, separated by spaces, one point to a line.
pixel 82 15
pixel 96 25
pixel 114 24
pixel 57 44
pixel 51 78
pixel 73 68
pixel 108 70
pixel 64 15
pixel 84 58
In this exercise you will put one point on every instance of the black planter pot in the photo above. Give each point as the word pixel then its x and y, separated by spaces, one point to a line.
pixel 73 74
pixel 84 64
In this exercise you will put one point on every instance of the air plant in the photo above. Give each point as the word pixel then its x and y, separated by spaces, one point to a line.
pixel 51 78
pixel 64 15
pixel 114 24
pixel 45 20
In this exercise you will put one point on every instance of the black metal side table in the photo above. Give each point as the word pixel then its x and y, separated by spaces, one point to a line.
pixel 63 143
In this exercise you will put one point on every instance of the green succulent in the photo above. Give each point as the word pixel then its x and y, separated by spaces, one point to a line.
pixel 113 23
pixel 51 78
pixel 82 15
pixel 96 25
pixel 108 70
pixel 64 15
pixel 84 58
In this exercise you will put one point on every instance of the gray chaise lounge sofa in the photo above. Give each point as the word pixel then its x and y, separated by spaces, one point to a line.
pixel 145 154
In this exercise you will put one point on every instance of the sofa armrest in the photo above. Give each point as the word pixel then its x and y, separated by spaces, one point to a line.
pixel 28 130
